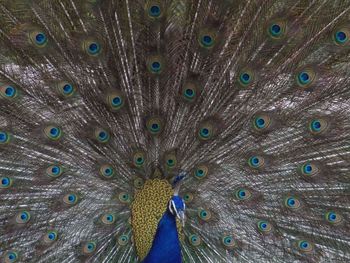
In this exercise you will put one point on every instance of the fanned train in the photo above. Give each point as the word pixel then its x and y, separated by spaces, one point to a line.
pixel 172 131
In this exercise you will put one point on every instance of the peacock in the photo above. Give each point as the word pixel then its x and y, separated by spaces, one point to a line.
pixel 169 131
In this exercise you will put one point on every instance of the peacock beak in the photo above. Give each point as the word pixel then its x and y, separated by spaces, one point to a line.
pixel 182 217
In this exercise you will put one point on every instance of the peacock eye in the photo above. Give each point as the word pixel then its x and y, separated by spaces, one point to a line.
pixel 23 217
pixel 70 199
pixel 306 77
pixel 50 237
pixel 154 125
pixel 246 77
pixel 256 162
pixel 264 227
pixel 92 48
pixel 228 242
pixel 11 257
pixel 108 219
pixel 333 217
pixel 8 91
pixel 5 182
pixel 139 158
pixel 305 246
pixel 195 240
pixel 155 64
pixel 309 169
pixel 54 171
pixel 154 11
pixel 115 100
pixel 207 39
pixel 261 122
pixel 38 39
pixel 292 202
pixel 318 126
pixel 66 89
pixel 53 132
pixel 123 240
pixel 107 171
pixel 341 36
pixel 102 135
pixel 4 137
pixel 243 194
pixel 277 29
pixel 206 131
pixel 204 214
pixel 89 247
pixel 124 197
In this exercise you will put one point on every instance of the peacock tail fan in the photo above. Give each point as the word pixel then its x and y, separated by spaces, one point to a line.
pixel 107 107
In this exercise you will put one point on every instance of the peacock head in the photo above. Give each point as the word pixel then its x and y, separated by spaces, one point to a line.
pixel 176 204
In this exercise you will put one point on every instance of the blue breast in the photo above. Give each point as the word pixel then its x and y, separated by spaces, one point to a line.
pixel 166 245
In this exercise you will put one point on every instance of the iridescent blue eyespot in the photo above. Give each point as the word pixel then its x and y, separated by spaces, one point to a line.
pixel 94 48
pixel 154 11
pixel 154 125
pixel 256 161
pixel 54 171
pixel 204 214
pixel 23 217
pixel 318 126
pixel 243 194
pixel 108 219
pixel 107 171
pixel 89 247
pixel 261 122
pixel 123 240
pixel 207 39
pixel 102 135
pixel 10 91
pixel 115 100
pixel 333 217
pixel 124 198
pixel 53 132
pixel 70 199
pixel 341 36
pixel 228 242
pixel 156 66
pixel 189 91
pixel 306 77
pixel 188 197
pixel 38 38
pixel 305 246
pixel 292 202
pixel 195 240
pixel 139 158
pixel 245 78
pixel 170 160
pixel 67 89
pixel 50 236
pixel 5 182
pixel 277 29
pixel 4 137
pixel 206 131
pixel 11 257
pixel 201 171
pixel 264 227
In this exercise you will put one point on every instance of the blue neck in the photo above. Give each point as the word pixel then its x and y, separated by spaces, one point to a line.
pixel 166 245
